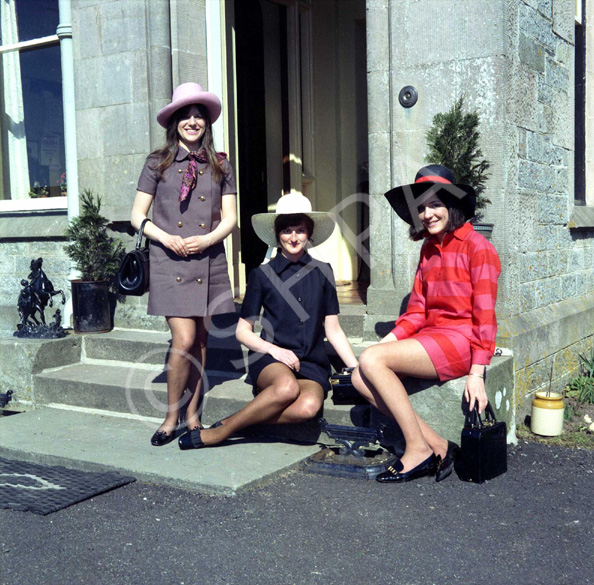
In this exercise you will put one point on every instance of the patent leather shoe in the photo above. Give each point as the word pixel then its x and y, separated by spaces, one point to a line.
pixel 191 440
pixel 445 466
pixel 161 438
pixel 394 473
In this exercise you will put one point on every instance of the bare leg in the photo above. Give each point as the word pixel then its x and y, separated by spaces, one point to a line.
pixel 283 399
pixel 197 370
pixel 437 443
pixel 183 337
pixel 377 380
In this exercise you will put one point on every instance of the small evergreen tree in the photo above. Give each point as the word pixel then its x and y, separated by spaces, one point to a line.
pixel 96 254
pixel 453 142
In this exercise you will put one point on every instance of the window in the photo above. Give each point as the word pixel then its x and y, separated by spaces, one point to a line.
pixel 32 124
pixel 580 104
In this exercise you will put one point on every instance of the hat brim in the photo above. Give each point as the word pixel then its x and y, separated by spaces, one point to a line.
pixel 263 224
pixel 397 197
pixel 208 99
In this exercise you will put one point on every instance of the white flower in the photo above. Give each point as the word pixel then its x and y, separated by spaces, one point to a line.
pixel 591 428
pixel 587 418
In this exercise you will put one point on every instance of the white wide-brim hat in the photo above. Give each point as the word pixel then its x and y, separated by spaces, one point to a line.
pixel 187 94
pixel 263 223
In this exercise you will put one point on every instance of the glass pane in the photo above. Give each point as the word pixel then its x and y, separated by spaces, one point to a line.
pixel 41 75
pixel 36 18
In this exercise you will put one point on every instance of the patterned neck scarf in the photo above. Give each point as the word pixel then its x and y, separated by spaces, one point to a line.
pixel 189 178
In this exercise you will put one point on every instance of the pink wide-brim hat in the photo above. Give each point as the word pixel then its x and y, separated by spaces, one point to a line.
pixel 186 94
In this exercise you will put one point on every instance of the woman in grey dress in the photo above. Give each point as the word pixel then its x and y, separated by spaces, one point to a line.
pixel 192 190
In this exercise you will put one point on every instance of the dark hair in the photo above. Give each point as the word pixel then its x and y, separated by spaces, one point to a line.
pixel 284 220
pixel 456 217
pixel 167 153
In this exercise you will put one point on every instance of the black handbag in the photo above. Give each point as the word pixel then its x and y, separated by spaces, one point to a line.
pixel 133 275
pixel 483 447
pixel 343 391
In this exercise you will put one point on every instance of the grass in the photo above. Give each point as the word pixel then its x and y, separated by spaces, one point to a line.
pixel 571 439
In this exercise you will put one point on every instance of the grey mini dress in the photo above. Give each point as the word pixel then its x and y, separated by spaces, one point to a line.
pixel 198 285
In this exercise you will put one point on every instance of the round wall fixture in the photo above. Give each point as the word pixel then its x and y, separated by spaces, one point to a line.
pixel 408 96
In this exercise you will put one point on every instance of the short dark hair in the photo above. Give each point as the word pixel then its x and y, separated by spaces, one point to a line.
pixel 284 220
pixel 456 217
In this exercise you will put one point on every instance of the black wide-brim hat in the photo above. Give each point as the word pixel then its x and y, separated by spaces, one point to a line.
pixel 432 180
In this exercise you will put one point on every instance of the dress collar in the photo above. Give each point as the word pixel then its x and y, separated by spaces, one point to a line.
pixel 279 262
pixel 459 234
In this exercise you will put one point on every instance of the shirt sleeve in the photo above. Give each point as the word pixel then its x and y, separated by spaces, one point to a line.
pixel 415 316
pixel 228 186
pixel 331 306
pixel 485 269
pixel 149 177
pixel 252 301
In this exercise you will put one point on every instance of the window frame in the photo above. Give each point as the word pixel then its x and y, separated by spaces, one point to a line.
pixel 60 202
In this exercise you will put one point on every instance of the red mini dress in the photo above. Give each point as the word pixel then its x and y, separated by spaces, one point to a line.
pixel 451 310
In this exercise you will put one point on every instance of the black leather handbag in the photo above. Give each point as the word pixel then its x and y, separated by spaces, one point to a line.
pixel 483 447
pixel 133 276
pixel 343 391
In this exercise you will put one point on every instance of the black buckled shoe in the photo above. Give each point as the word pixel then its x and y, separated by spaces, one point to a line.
pixel 161 438
pixel 191 440
pixel 445 466
pixel 394 473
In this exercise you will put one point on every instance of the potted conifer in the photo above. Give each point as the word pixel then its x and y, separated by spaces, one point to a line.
pixel 453 142
pixel 97 257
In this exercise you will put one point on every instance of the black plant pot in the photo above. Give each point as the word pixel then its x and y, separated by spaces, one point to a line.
pixel 486 229
pixel 91 310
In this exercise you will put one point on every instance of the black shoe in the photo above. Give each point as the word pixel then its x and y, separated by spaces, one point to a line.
pixel 161 438
pixel 394 473
pixel 219 423
pixel 191 440
pixel 445 466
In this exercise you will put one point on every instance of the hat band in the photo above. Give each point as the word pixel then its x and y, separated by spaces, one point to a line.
pixel 433 179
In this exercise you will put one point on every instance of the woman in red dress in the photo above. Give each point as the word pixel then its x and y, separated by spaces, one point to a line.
pixel 449 327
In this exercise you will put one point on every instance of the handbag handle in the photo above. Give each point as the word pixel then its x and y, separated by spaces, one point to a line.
pixel 473 418
pixel 140 232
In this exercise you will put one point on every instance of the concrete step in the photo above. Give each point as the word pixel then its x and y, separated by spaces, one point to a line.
pixel 99 441
pixel 142 390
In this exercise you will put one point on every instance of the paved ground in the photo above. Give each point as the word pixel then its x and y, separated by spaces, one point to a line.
pixel 534 525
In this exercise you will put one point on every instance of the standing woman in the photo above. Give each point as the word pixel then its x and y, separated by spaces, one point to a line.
pixel 449 327
pixel 288 364
pixel 193 191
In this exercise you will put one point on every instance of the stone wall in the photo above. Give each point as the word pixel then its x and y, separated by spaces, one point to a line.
pixel 513 61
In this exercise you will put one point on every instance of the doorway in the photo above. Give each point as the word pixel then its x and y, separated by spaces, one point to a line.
pixel 301 117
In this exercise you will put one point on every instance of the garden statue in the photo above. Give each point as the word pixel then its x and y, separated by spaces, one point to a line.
pixel 35 295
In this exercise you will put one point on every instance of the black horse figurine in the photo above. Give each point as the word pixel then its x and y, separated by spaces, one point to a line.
pixel 42 286
pixel 35 295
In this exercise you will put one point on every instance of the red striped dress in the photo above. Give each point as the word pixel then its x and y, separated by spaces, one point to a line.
pixel 451 310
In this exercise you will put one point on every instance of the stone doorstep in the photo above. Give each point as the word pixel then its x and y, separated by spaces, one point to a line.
pixel 142 391
pixel 100 442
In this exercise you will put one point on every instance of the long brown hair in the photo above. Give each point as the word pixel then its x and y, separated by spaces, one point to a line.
pixel 167 153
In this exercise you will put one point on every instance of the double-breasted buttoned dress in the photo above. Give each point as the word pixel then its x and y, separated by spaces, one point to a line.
pixel 198 285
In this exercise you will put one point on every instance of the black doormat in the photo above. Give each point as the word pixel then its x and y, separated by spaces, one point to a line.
pixel 42 489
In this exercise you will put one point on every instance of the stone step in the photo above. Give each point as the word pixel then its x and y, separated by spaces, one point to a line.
pixel 141 390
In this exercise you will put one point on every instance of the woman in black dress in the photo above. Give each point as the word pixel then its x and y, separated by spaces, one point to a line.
pixel 288 364
pixel 192 191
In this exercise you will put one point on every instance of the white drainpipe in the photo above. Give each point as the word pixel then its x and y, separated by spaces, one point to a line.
pixel 64 33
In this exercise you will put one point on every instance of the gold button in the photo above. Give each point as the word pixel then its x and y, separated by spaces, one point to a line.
pixel 199 281
pixel 202 198
pixel 180 224
pixel 202 225
pixel 200 172
pixel 178 279
pixel 180 170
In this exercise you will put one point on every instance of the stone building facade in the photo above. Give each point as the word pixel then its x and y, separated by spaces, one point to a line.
pixel 514 60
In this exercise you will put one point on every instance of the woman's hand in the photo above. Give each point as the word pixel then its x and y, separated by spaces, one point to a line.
pixel 197 244
pixel 175 244
pixel 475 391
pixel 285 356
